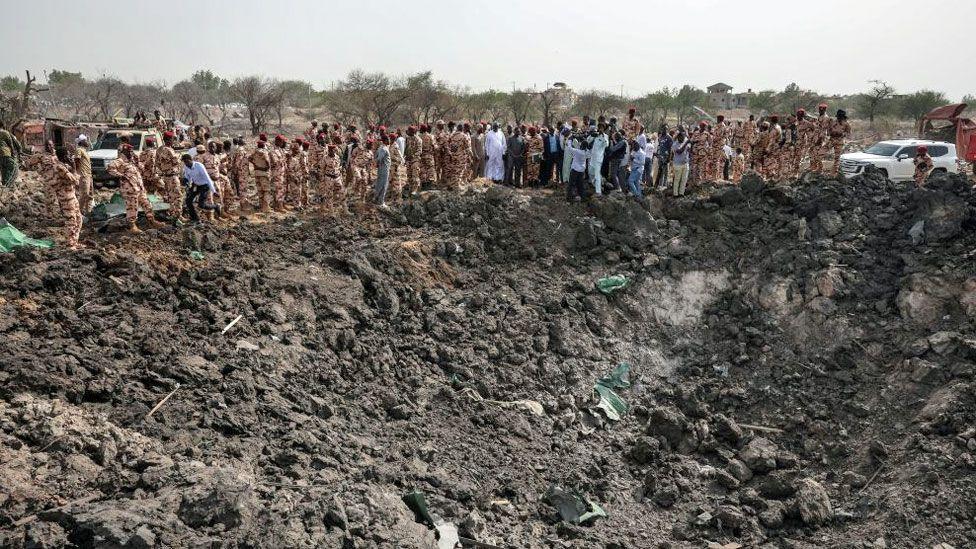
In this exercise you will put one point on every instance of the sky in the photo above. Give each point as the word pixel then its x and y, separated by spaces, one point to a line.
pixel 830 46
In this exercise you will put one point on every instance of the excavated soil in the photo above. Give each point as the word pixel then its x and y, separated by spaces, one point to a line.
pixel 802 374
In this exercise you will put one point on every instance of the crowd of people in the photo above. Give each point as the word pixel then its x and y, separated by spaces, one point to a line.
pixel 337 168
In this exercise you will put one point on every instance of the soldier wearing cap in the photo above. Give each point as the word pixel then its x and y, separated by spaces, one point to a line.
pixel 167 163
pixel 837 133
pixel 260 158
pixel 86 188
pixel 923 165
pixel 126 168
pixel 818 139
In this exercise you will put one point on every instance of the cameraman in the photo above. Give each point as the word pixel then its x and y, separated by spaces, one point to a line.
pixel 580 151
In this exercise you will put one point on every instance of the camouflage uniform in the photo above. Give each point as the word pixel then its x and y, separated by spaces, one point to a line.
pixel 314 158
pixel 86 188
pixel 457 157
pixel 716 162
pixel 748 139
pixel 168 166
pixel 533 158
pixel 211 162
pixel 61 183
pixel 771 163
pixel 261 160
pixel 396 184
pixel 412 156
pixel 700 154
pixel 441 154
pixel 278 166
pixel 738 167
pixel 331 192
pixel 818 141
pixel 238 171
pixel 807 133
pixel 132 189
pixel 147 165
pixel 631 127
pixel 359 160
pixel 428 164
pixel 296 174
pixel 837 132
pixel 228 194
pixel 923 167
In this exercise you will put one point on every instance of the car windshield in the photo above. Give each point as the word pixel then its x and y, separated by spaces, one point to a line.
pixel 882 149
pixel 111 141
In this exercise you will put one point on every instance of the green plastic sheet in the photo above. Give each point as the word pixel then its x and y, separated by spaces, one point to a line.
pixel 572 506
pixel 115 207
pixel 612 284
pixel 610 402
pixel 11 238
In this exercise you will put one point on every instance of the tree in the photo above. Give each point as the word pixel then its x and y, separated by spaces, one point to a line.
pixel 371 98
pixel 488 105
pixel 548 101
pixel 139 97
pixel 11 84
pixel 794 98
pixel 876 101
pixel 15 107
pixel 596 103
pixel 520 103
pixel 763 102
pixel 208 81
pixel 687 98
pixel 431 99
pixel 258 95
pixel 59 78
pixel 656 106
pixel 105 95
pixel 916 105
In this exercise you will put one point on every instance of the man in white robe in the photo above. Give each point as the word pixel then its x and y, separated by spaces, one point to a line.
pixel 495 146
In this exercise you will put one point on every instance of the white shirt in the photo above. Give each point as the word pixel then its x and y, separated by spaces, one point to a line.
pixel 579 158
pixel 401 143
pixel 198 175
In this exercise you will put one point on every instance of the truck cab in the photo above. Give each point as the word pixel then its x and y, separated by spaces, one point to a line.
pixel 894 158
pixel 106 148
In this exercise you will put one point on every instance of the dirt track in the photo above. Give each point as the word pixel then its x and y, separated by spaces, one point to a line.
pixel 803 375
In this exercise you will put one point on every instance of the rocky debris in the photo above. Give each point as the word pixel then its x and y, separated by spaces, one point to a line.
pixel 802 374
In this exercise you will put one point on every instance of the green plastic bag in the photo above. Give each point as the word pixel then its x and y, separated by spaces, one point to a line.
pixel 10 238
pixel 610 402
pixel 612 284
pixel 196 256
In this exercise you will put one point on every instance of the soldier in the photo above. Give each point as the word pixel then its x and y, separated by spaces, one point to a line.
pixel 738 165
pixel 818 139
pixel 428 156
pixel 10 150
pixel 839 130
pixel 168 168
pixel 716 163
pixel 700 152
pixel 478 148
pixel 631 125
pixel 332 196
pixel 533 156
pixel 61 181
pixel 452 165
pixel 807 133
pixel 229 198
pixel 759 148
pixel 357 164
pixel 86 188
pixel 396 160
pixel 441 153
pixel 316 150
pixel 296 176
pixel 238 168
pixel 772 154
pixel 279 164
pixel 208 157
pixel 133 192
pixel 261 160
pixel 312 130
pixel 923 165
pixel 749 136
pixel 412 151
pixel 147 164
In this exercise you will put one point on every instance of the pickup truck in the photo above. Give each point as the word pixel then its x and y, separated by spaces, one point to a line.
pixel 894 158
pixel 106 149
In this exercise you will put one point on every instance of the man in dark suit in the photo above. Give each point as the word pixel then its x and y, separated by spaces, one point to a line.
pixel 515 161
pixel 552 156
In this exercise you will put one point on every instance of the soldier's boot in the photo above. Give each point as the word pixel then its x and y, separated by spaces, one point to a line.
pixel 133 228
pixel 154 223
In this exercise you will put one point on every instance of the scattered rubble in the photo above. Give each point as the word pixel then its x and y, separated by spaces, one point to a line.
pixel 802 374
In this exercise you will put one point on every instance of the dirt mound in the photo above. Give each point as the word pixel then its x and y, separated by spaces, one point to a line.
pixel 801 374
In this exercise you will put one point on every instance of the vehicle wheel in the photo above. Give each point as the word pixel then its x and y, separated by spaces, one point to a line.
pixel 939 170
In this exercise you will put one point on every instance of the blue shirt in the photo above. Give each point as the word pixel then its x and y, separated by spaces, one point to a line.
pixel 552 142
pixel 664 146
pixel 198 175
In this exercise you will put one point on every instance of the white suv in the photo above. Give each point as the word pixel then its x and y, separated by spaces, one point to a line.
pixel 894 158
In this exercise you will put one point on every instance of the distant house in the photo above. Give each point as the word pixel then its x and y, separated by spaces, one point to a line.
pixel 565 97
pixel 720 97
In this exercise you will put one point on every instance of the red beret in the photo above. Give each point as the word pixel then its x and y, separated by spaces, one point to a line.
pixel 168 135
pixel 263 137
